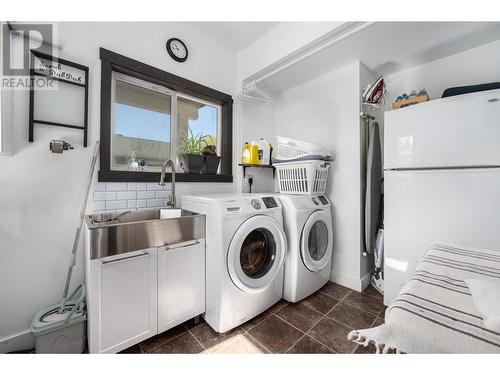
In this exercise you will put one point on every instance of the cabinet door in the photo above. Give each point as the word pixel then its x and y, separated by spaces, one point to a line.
pixel 181 283
pixel 126 308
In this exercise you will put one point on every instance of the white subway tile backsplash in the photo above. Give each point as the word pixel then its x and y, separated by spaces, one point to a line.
pixel 115 186
pixel 118 197
pixel 126 195
pixel 161 194
pixel 100 186
pixel 145 194
pixel 115 205
pixel 104 195
pixel 98 205
pixel 155 186
pixel 155 202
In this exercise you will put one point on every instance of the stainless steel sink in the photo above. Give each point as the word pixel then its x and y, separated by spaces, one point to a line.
pixel 143 229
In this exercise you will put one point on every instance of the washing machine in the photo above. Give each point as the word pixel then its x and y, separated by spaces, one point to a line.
pixel 246 250
pixel 309 230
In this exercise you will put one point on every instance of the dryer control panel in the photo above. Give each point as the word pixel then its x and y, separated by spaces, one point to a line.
pixel 320 200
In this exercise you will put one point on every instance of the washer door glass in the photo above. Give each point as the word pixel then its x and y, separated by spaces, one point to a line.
pixel 256 253
pixel 317 241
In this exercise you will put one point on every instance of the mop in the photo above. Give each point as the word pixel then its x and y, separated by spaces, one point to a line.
pixel 60 328
pixel 78 233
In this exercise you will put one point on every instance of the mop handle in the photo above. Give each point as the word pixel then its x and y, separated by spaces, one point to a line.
pixel 78 233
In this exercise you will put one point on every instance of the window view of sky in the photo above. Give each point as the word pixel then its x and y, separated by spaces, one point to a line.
pixel 155 126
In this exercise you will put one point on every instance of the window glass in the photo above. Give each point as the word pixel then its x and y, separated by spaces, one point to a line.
pixel 196 121
pixel 142 129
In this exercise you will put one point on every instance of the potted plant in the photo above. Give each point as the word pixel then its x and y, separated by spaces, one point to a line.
pixel 211 160
pixel 190 152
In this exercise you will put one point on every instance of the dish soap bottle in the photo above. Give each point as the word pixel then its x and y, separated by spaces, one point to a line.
pixel 264 152
pixel 246 157
pixel 133 164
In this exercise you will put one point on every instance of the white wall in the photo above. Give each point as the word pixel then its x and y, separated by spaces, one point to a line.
pixel 278 43
pixel 256 121
pixel 326 111
pixel 40 193
pixel 476 65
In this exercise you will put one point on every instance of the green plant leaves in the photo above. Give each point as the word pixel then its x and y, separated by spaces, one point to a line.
pixel 193 144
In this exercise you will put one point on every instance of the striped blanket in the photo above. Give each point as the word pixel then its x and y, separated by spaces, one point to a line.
pixel 434 312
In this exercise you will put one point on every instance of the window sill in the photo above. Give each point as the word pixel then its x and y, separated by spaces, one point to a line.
pixel 126 176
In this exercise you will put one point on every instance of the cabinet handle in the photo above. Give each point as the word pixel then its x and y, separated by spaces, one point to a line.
pixel 181 245
pixel 123 258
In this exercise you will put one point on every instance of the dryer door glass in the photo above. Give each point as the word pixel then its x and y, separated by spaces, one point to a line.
pixel 256 253
pixel 317 241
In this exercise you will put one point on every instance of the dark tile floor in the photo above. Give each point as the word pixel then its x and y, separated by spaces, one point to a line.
pixel 318 324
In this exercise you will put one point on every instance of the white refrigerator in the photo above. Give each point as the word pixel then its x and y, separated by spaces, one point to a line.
pixel 441 180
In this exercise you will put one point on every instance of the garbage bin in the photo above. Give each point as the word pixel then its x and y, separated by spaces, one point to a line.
pixel 63 332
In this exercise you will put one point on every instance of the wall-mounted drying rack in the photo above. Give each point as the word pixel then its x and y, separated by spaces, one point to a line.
pixel 66 105
pixel 252 93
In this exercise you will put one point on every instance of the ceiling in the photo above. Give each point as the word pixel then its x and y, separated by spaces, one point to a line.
pixel 385 48
pixel 235 35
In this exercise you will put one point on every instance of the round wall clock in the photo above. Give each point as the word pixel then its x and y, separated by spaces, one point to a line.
pixel 177 49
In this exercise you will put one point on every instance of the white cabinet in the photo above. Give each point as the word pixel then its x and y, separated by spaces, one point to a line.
pixel 181 283
pixel 122 300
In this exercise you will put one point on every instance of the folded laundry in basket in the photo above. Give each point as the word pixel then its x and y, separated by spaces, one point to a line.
pixel 304 158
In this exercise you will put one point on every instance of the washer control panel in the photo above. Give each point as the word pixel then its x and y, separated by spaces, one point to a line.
pixel 270 202
pixel 316 201
pixel 256 204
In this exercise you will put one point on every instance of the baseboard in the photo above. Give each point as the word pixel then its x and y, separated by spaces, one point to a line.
pixel 365 281
pixel 346 280
pixel 351 282
pixel 20 341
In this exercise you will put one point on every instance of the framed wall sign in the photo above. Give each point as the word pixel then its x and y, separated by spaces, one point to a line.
pixel 58 93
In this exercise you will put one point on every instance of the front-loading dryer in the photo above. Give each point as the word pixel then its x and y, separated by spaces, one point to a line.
pixel 245 253
pixel 309 229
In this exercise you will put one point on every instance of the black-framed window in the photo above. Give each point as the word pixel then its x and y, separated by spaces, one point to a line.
pixel 146 112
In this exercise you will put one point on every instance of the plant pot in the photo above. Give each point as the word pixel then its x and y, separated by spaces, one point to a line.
pixel 211 164
pixel 192 163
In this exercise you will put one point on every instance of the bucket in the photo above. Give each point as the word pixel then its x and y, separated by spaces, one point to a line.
pixel 64 332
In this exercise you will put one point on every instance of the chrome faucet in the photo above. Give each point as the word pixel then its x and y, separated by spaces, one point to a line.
pixel 169 163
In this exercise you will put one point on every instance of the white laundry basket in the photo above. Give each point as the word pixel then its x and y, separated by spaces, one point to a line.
pixel 288 149
pixel 303 177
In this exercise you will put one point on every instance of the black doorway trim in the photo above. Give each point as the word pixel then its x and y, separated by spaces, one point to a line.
pixel 111 61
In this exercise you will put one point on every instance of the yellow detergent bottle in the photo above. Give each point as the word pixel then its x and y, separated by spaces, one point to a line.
pixel 246 156
pixel 254 153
